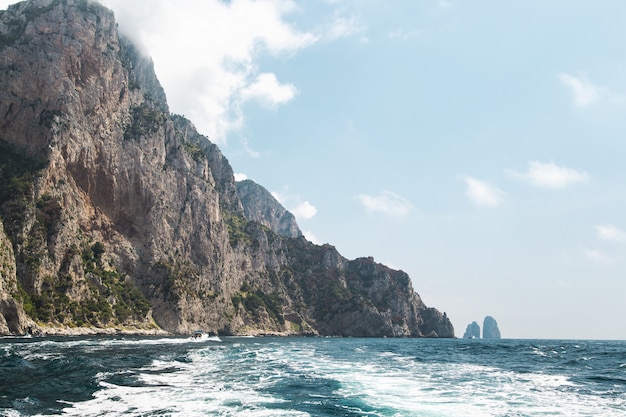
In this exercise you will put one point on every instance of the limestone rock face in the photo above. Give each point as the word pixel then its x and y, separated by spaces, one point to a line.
pixel 472 331
pixel 260 206
pixel 118 214
pixel 490 328
pixel 13 319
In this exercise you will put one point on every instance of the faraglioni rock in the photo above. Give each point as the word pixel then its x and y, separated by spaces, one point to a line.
pixel 118 215
pixel 472 331
pixel 490 328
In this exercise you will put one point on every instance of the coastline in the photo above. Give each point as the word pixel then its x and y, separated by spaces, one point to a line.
pixel 47 330
pixel 98 331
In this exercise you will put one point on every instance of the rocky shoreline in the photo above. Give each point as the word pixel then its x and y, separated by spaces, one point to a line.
pixel 43 331
pixel 98 331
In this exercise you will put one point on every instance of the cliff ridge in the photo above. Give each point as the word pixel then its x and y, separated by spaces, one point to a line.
pixel 117 215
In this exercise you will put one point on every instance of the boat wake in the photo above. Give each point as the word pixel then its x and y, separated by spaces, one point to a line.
pixel 200 336
pixel 205 338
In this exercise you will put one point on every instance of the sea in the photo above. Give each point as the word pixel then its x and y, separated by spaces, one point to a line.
pixel 291 376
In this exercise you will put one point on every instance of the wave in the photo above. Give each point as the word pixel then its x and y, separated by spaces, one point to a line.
pixel 303 377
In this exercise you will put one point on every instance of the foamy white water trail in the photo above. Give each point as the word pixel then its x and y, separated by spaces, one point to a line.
pixel 312 377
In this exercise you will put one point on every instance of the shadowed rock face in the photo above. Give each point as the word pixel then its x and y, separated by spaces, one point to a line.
pixel 472 331
pixel 13 319
pixel 117 214
pixel 490 328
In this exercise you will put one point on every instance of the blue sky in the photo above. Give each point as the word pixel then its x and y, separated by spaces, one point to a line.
pixel 478 146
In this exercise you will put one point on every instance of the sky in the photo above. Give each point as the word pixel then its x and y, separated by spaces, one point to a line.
pixel 478 146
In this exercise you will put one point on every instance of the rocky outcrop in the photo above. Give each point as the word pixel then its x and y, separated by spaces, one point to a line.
pixel 472 331
pixel 260 206
pixel 490 328
pixel 119 215
pixel 13 319
pixel 435 324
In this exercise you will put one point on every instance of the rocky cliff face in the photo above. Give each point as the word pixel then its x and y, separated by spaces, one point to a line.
pixel 472 331
pixel 490 328
pixel 13 319
pixel 260 206
pixel 117 214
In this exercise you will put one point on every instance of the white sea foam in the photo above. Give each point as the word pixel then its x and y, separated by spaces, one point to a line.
pixel 415 388
pixel 246 378
pixel 182 388
pixel 468 390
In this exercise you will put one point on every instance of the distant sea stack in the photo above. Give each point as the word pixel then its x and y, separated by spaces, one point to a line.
pixel 472 331
pixel 490 328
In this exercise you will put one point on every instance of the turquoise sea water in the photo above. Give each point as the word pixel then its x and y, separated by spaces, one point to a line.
pixel 148 376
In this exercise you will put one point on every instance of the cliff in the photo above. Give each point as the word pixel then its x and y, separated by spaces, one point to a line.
pixel 260 206
pixel 117 215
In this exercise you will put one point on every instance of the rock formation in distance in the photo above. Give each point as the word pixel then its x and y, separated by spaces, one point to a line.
pixel 472 331
pixel 260 206
pixel 490 328
pixel 117 214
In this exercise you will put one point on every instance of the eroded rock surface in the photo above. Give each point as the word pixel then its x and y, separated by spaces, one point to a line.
pixel 490 328
pixel 119 215
pixel 472 331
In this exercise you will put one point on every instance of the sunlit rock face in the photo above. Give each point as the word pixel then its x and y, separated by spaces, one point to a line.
pixel 260 206
pixel 490 328
pixel 117 214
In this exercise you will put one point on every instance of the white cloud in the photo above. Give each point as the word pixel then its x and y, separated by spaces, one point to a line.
pixel 279 197
pixel 584 92
pixel 311 237
pixel 206 54
pixel 391 265
pixel 268 91
pixel 598 257
pixel 482 193
pixel 304 211
pixel 388 202
pixel 247 149
pixel 404 36
pixel 240 176
pixel 343 27
pixel 551 175
pixel 611 233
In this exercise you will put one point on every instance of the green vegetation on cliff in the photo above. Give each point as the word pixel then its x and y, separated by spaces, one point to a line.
pixel 146 119
pixel 136 215
pixel 237 232
pixel 17 174
pixel 255 302
pixel 17 177
pixel 106 298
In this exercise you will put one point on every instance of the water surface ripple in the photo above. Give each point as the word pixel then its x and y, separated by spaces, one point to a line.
pixel 148 376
